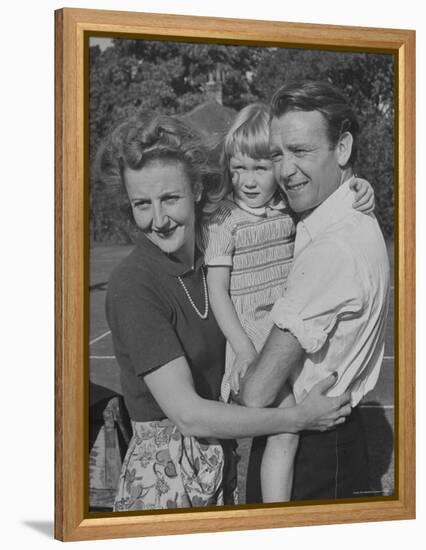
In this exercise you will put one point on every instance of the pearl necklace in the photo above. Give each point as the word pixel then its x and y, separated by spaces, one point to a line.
pixel 191 301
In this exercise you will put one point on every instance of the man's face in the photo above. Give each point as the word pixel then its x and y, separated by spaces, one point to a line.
pixel 306 166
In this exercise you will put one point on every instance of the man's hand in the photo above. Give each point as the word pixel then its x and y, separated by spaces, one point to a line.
pixel 318 412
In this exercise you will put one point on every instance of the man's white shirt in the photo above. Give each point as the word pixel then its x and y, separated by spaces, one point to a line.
pixel 337 297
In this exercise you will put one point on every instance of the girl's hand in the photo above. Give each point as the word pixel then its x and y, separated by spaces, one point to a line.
pixel 318 412
pixel 364 195
pixel 239 368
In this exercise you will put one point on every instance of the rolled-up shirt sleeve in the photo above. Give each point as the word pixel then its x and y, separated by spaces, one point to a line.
pixel 324 287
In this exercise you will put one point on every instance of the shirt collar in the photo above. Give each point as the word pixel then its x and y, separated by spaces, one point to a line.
pixel 276 203
pixel 333 209
pixel 167 262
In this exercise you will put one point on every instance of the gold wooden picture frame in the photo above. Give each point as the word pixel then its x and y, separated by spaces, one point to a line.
pixel 73 520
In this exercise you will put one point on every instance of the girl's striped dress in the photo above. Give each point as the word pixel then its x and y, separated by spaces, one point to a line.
pixel 257 244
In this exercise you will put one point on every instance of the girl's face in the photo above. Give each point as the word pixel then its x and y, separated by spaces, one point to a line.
pixel 253 180
pixel 163 206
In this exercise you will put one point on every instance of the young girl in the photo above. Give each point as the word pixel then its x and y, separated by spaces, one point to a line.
pixel 249 242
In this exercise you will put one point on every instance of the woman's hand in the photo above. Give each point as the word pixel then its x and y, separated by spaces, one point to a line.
pixel 318 412
pixel 364 195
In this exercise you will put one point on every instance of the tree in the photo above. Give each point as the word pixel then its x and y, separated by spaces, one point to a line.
pixel 368 81
pixel 170 77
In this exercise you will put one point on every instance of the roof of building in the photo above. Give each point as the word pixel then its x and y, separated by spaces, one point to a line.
pixel 212 120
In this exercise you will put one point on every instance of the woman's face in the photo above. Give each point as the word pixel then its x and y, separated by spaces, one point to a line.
pixel 163 202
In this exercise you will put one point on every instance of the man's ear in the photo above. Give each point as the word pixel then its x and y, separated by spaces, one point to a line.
pixel 344 149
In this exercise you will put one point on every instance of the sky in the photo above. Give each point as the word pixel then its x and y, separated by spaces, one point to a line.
pixel 101 42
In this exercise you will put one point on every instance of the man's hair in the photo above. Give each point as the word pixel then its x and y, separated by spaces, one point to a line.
pixel 324 98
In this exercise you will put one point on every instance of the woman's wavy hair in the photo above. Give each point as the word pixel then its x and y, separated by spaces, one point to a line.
pixel 248 135
pixel 143 139
pixel 323 97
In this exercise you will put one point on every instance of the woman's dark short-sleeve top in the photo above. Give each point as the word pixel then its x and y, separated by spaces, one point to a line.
pixel 152 322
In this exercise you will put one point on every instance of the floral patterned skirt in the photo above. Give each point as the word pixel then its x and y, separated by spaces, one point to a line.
pixel 165 469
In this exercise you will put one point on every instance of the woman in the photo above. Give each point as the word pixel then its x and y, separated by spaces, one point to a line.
pixel 167 343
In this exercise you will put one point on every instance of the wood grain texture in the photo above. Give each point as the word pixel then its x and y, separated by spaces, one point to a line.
pixel 59 496
pixel 406 294
pixel 72 519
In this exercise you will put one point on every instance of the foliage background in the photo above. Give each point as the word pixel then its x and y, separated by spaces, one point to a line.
pixel 130 76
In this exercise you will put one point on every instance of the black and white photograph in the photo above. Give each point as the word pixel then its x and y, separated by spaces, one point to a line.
pixel 211 237
pixel 241 275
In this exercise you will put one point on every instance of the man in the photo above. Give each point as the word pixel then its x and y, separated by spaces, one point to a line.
pixel 332 317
